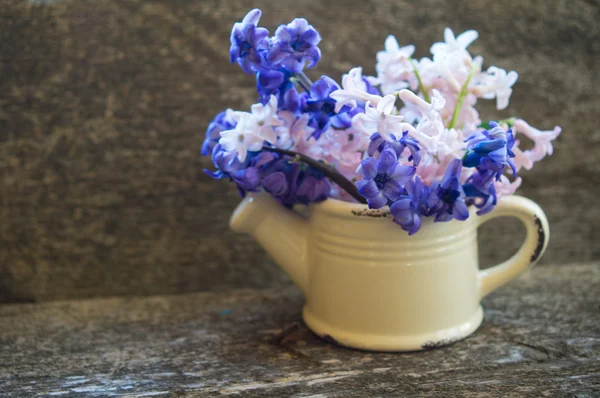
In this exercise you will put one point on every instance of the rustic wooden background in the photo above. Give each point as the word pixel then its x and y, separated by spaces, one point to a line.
pixel 104 103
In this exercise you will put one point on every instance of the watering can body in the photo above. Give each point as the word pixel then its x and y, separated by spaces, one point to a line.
pixel 370 285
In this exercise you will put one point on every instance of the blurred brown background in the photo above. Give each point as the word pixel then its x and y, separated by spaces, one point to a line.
pixel 103 107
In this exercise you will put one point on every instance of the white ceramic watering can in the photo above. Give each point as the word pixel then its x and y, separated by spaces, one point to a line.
pixel 370 285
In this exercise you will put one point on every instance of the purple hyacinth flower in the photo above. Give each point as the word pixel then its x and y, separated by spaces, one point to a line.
pixel 224 161
pixel 378 143
pixel 275 183
pixel 480 186
pixel 246 179
pixel 343 120
pixel 370 88
pixel 275 82
pixel 269 80
pixel 321 107
pixel 292 101
pixel 213 133
pixel 290 183
pixel 263 159
pixel 313 189
pixel 244 174
pixel 490 150
pixel 294 45
pixel 447 199
pixel 312 186
pixel 383 178
pixel 410 208
pixel 280 179
pixel 248 42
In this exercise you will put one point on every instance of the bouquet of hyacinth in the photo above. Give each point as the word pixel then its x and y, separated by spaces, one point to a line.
pixel 409 138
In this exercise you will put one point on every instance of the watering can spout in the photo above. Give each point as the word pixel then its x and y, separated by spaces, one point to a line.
pixel 280 231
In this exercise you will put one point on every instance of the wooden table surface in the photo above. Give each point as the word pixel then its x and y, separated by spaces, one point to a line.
pixel 540 337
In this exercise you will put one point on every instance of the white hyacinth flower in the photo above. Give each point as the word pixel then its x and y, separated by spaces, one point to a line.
pixel 394 66
pixel 430 132
pixel 243 138
pixel 504 187
pixel 294 130
pixel 437 101
pixel 353 89
pixel 496 83
pixel 454 44
pixel 542 139
pixel 393 52
pixel 452 61
pixel 381 119
pixel 252 129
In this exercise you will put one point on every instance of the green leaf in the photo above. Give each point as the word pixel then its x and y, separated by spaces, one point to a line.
pixel 486 125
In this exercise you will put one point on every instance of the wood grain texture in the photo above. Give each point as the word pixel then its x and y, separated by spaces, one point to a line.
pixel 540 337
pixel 103 105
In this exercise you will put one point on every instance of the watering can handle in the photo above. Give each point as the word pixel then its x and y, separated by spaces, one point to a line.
pixel 536 241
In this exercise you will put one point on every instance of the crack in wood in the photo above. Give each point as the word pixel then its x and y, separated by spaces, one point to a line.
pixel 547 351
pixel 279 342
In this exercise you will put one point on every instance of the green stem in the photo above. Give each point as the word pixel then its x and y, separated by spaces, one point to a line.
pixel 297 81
pixel 461 98
pixel 329 172
pixel 418 76
pixel 304 81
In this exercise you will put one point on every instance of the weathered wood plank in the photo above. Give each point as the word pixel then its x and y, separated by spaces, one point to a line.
pixel 103 105
pixel 540 337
